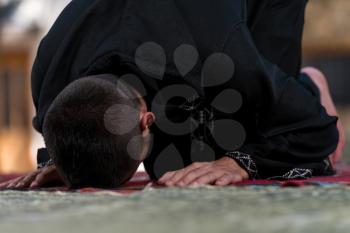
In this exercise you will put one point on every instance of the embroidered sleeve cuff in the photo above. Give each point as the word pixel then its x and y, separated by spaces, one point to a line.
pixel 294 174
pixel 45 164
pixel 246 162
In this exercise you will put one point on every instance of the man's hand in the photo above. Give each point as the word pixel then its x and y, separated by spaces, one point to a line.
pixel 221 172
pixel 34 180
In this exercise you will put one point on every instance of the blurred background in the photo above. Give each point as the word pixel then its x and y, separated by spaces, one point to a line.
pixel 24 22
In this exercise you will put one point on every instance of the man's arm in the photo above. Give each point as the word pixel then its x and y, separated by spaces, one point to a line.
pixel 294 134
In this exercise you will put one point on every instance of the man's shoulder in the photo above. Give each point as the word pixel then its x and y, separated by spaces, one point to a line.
pixel 70 14
pixel 63 24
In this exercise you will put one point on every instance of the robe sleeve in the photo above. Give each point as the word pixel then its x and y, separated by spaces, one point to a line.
pixel 294 135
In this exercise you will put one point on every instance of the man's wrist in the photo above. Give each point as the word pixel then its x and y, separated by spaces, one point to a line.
pixel 236 167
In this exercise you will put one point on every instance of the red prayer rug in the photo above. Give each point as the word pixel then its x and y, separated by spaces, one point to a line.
pixel 141 181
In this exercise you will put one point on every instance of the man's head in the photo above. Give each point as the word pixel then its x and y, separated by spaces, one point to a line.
pixel 96 131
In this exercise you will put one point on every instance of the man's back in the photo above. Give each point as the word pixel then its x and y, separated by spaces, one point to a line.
pixel 89 30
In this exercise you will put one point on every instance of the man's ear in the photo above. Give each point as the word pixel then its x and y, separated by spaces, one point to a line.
pixel 147 120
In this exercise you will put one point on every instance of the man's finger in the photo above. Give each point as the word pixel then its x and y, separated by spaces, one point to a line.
pixel 228 179
pixel 41 179
pixel 224 180
pixel 22 183
pixel 25 182
pixel 177 174
pixel 4 184
pixel 14 182
pixel 166 177
pixel 19 184
pixel 208 178
pixel 181 173
pixel 192 176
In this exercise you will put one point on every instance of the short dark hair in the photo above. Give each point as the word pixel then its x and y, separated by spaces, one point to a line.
pixel 84 136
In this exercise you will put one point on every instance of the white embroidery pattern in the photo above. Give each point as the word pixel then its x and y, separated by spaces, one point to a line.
pixel 296 173
pixel 246 161
pixel 45 164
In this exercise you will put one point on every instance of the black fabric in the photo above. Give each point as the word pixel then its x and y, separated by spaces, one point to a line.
pixel 286 125
pixel 276 27
pixel 305 80
pixel 42 157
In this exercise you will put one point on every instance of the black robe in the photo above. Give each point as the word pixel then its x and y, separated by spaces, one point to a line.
pixel 288 132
